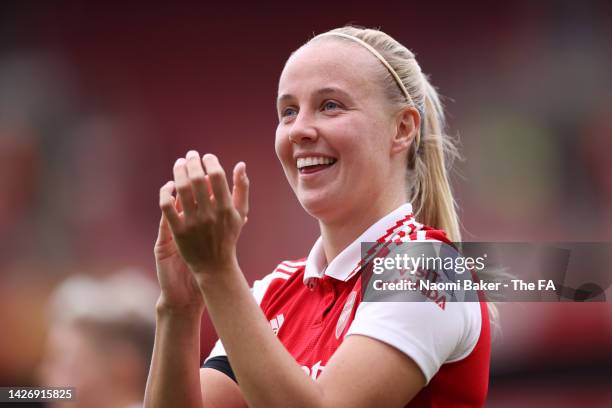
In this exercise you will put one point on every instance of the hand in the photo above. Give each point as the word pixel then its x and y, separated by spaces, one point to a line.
pixel 179 290
pixel 206 231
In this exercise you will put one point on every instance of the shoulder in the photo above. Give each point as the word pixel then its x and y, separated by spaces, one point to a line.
pixel 289 267
pixel 429 330
pixel 281 273
pixel 426 233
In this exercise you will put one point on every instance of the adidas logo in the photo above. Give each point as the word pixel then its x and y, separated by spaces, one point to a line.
pixel 276 323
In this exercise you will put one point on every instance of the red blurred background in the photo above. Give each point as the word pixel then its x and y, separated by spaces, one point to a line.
pixel 97 101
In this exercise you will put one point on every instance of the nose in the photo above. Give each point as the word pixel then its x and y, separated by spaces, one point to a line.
pixel 303 129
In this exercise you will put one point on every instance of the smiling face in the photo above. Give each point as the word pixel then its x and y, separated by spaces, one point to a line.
pixel 336 128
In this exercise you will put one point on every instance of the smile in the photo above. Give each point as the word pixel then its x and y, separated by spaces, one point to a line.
pixel 309 165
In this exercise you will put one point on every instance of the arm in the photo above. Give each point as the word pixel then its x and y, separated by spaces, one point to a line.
pixel 218 390
pixel 175 378
pixel 363 372
pixel 174 372
pixel 268 375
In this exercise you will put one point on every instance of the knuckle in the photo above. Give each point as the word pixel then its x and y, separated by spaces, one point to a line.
pixel 225 211
pixel 166 189
pixel 197 177
pixel 182 186
pixel 165 204
pixel 207 219
pixel 190 224
pixel 217 174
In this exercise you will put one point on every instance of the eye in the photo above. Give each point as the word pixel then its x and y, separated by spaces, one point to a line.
pixel 288 111
pixel 330 105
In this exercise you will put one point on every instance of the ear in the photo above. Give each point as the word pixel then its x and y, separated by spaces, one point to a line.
pixel 407 124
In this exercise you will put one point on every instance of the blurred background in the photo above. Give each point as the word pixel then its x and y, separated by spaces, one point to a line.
pixel 98 99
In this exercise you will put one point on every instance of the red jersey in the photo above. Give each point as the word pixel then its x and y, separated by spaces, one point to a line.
pixel 313 306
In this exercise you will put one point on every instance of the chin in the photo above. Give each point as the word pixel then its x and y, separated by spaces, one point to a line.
pixel 320 206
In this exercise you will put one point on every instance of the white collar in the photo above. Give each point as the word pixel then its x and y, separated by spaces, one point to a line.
pixel 346 264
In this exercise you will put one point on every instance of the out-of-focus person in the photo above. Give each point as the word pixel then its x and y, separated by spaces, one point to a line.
pixel 100 339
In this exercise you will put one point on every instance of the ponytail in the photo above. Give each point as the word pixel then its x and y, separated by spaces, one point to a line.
pixel 429 186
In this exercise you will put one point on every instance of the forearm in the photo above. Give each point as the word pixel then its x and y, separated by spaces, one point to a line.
pixel 174 375
pixel 267 374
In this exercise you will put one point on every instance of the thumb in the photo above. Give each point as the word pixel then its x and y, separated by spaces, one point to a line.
pixel 240 191
pixel 164 235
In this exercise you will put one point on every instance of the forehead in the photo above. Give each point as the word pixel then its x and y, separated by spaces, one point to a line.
pixel 331 62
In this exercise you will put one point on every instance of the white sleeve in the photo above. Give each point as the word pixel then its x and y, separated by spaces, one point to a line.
pixel 428 334
pixel 258 291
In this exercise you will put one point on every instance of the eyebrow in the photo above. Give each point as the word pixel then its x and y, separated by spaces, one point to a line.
pixel 323 91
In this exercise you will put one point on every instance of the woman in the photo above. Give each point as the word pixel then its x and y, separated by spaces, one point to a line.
pixel 360 140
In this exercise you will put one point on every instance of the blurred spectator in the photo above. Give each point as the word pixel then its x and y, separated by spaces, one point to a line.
pixel 100 339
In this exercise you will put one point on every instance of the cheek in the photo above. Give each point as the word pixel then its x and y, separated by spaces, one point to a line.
pixel 359 143
pixel 366 154
pixel 282 146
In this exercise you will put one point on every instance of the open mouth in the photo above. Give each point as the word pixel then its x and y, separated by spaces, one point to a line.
pixel 309 165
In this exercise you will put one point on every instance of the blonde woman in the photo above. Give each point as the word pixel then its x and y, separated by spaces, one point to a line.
pixel 360 138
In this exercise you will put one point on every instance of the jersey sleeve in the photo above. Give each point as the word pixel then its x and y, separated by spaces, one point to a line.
pixel 258 290
pixel 428 334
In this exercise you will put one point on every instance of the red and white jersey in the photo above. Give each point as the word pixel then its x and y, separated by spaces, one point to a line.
pixel 313 306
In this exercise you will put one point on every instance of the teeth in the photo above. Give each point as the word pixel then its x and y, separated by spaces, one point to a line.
pixel 313 161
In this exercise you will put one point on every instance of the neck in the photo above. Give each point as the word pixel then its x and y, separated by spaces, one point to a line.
pixel 340 233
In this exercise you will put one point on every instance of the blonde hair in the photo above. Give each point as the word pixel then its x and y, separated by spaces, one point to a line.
pixel 432 151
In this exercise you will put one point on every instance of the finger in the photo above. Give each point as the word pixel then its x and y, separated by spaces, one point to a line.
pixel 183 187
pixel 211 196
pixel 167 205
pixel 179 206
pixel 164 234
pixel 218 182
pixel 240 191
pixel 196 175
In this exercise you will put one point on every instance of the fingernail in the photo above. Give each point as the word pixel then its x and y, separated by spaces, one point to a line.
pixel 179 161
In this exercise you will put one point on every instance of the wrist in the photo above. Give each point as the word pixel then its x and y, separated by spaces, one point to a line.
pixel 188 310
pixel 225 275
